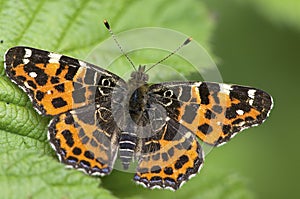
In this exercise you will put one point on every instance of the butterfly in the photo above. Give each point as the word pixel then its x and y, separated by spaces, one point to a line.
pixel 97 115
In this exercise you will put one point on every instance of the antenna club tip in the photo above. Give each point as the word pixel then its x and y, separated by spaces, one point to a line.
pixel 188 40
pixel 106 24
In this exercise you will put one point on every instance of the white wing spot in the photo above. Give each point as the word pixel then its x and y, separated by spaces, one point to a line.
pixel 225 88
pixel 251 93
pixel 25 61
pixel 33 74
pixel 251 102
pixel 54 58
pixel 28 53
pixel 240 112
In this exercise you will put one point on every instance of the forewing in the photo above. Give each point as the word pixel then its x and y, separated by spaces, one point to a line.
pixel 56 83
pixel 214 112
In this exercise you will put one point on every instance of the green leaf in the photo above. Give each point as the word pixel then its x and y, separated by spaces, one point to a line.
pixel 30 174
pixel 29 167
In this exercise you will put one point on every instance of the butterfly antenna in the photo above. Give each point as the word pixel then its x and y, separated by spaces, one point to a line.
pixel 118 44
pixel 187 41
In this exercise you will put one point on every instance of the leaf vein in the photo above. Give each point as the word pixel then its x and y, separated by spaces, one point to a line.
pixel 72 20
pixel 31 19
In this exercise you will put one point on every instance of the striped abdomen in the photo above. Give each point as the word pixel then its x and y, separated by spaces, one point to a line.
pixel 127 148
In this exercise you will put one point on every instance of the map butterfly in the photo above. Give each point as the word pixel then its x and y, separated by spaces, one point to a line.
pixel 97 115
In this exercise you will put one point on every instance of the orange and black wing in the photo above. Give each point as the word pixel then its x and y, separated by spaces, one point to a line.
pixel 169 158
pixel 85 139
pixel 212 111
pixel 79 96
pixel 56 83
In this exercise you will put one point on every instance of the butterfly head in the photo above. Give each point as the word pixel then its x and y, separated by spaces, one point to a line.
pixel 139 76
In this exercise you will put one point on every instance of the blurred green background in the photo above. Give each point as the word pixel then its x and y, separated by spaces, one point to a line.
pixel 258 43
pixel 253 42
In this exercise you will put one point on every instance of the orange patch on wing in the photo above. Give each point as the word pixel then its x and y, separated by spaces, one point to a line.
pixel 100 151
pixel 171 168
pixel 49 90
pixel 216 124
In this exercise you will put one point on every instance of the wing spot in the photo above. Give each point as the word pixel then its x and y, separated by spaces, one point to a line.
pixel 93 143
pixel 58 102
pixel 85 140
pixel 31 84
pixel 68 137
pixel 205 128
pixel 168 93
pixel 190 113
pixel 240 112
pixel 25 61
pixel 204 93
pixel 226 129
pixel 225 88
pixel 238 121
pixel 69 118
pixel 165 157
pixel 168 170
pixel 251 93
pixel 33 74
pixel 156 169
pixel 156 156
pixel 20 78
pixel 209 114
pixel 28 53
pixel 39 95
pixel 217 109
pixel 249 119
pixel 143 170
pixel 54 80
pixel 76 151
pixel 54 58
pixel 181 161
pixel 251 102
pixel 171 152
pixel 105 82
pixel 60 87
pixel 89 155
